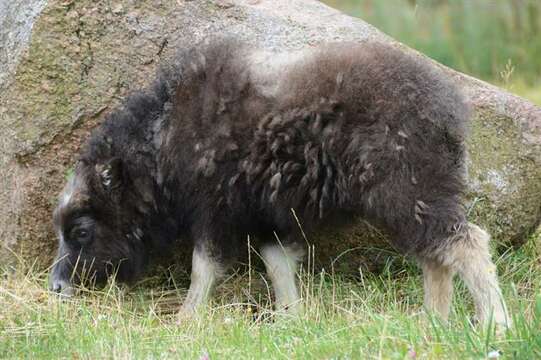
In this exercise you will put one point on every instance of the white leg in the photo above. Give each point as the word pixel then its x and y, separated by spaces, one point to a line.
pixel 471 258
pixel 438 287
pixel 281 263
pixel 204 274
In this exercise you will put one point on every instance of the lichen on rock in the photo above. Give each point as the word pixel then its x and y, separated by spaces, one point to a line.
pixel 505 179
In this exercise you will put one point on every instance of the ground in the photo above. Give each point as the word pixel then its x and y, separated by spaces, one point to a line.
pixel 371 316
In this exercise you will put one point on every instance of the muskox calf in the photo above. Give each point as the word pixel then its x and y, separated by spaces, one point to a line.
pixel 230 139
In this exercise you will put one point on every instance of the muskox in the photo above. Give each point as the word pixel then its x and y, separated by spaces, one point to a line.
pixel 232 141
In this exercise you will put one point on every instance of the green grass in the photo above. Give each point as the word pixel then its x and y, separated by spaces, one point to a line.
pixel 371 317
pixel 519 87
pixel 494 40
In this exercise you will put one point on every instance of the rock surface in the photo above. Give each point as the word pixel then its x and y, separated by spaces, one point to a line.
pixel 83 56
pixel 16 20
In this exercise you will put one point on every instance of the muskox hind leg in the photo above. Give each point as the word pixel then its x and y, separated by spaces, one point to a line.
pixel 468 254
pixel 282 263
pixel 205 273
pixel 438 287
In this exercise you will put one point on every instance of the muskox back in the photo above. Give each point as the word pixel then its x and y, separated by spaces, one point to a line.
pixel 233 141
pixel 355 127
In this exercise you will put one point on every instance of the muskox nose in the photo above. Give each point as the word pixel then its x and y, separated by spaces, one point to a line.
pixel 61 287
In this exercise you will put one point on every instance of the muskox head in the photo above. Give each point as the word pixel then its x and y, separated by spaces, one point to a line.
pixel 98 231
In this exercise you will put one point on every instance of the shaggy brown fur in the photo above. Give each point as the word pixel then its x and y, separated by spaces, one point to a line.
pixel 230 139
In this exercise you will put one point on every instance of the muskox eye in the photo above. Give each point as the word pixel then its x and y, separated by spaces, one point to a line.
pixel 80 233
pixel 82 236
pixel 81 230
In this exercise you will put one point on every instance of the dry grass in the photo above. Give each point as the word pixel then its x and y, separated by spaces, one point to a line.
pixel 374 316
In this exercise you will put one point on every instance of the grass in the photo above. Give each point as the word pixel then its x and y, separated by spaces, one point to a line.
pixel 519 87
pixel 376 316
pixel 483 38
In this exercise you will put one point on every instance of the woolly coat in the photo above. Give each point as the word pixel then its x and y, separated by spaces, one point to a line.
pixel 232 141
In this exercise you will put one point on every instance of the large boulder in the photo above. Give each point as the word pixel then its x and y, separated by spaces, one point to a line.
pixel 61 71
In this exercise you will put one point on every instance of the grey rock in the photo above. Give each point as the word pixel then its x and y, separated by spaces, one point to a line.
pixel 83 56
pixel 16 20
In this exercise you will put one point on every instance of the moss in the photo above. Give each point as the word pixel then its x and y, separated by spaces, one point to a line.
pixel 59 81
pixel 505 182
pixel 49 78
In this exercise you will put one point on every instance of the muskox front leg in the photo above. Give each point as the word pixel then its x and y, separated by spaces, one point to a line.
pixel 282 263
pixel 205 272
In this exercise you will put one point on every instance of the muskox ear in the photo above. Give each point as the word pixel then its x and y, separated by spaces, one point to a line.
pixel 110 174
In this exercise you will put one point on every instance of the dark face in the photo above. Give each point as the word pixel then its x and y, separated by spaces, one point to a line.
pixel 96 239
